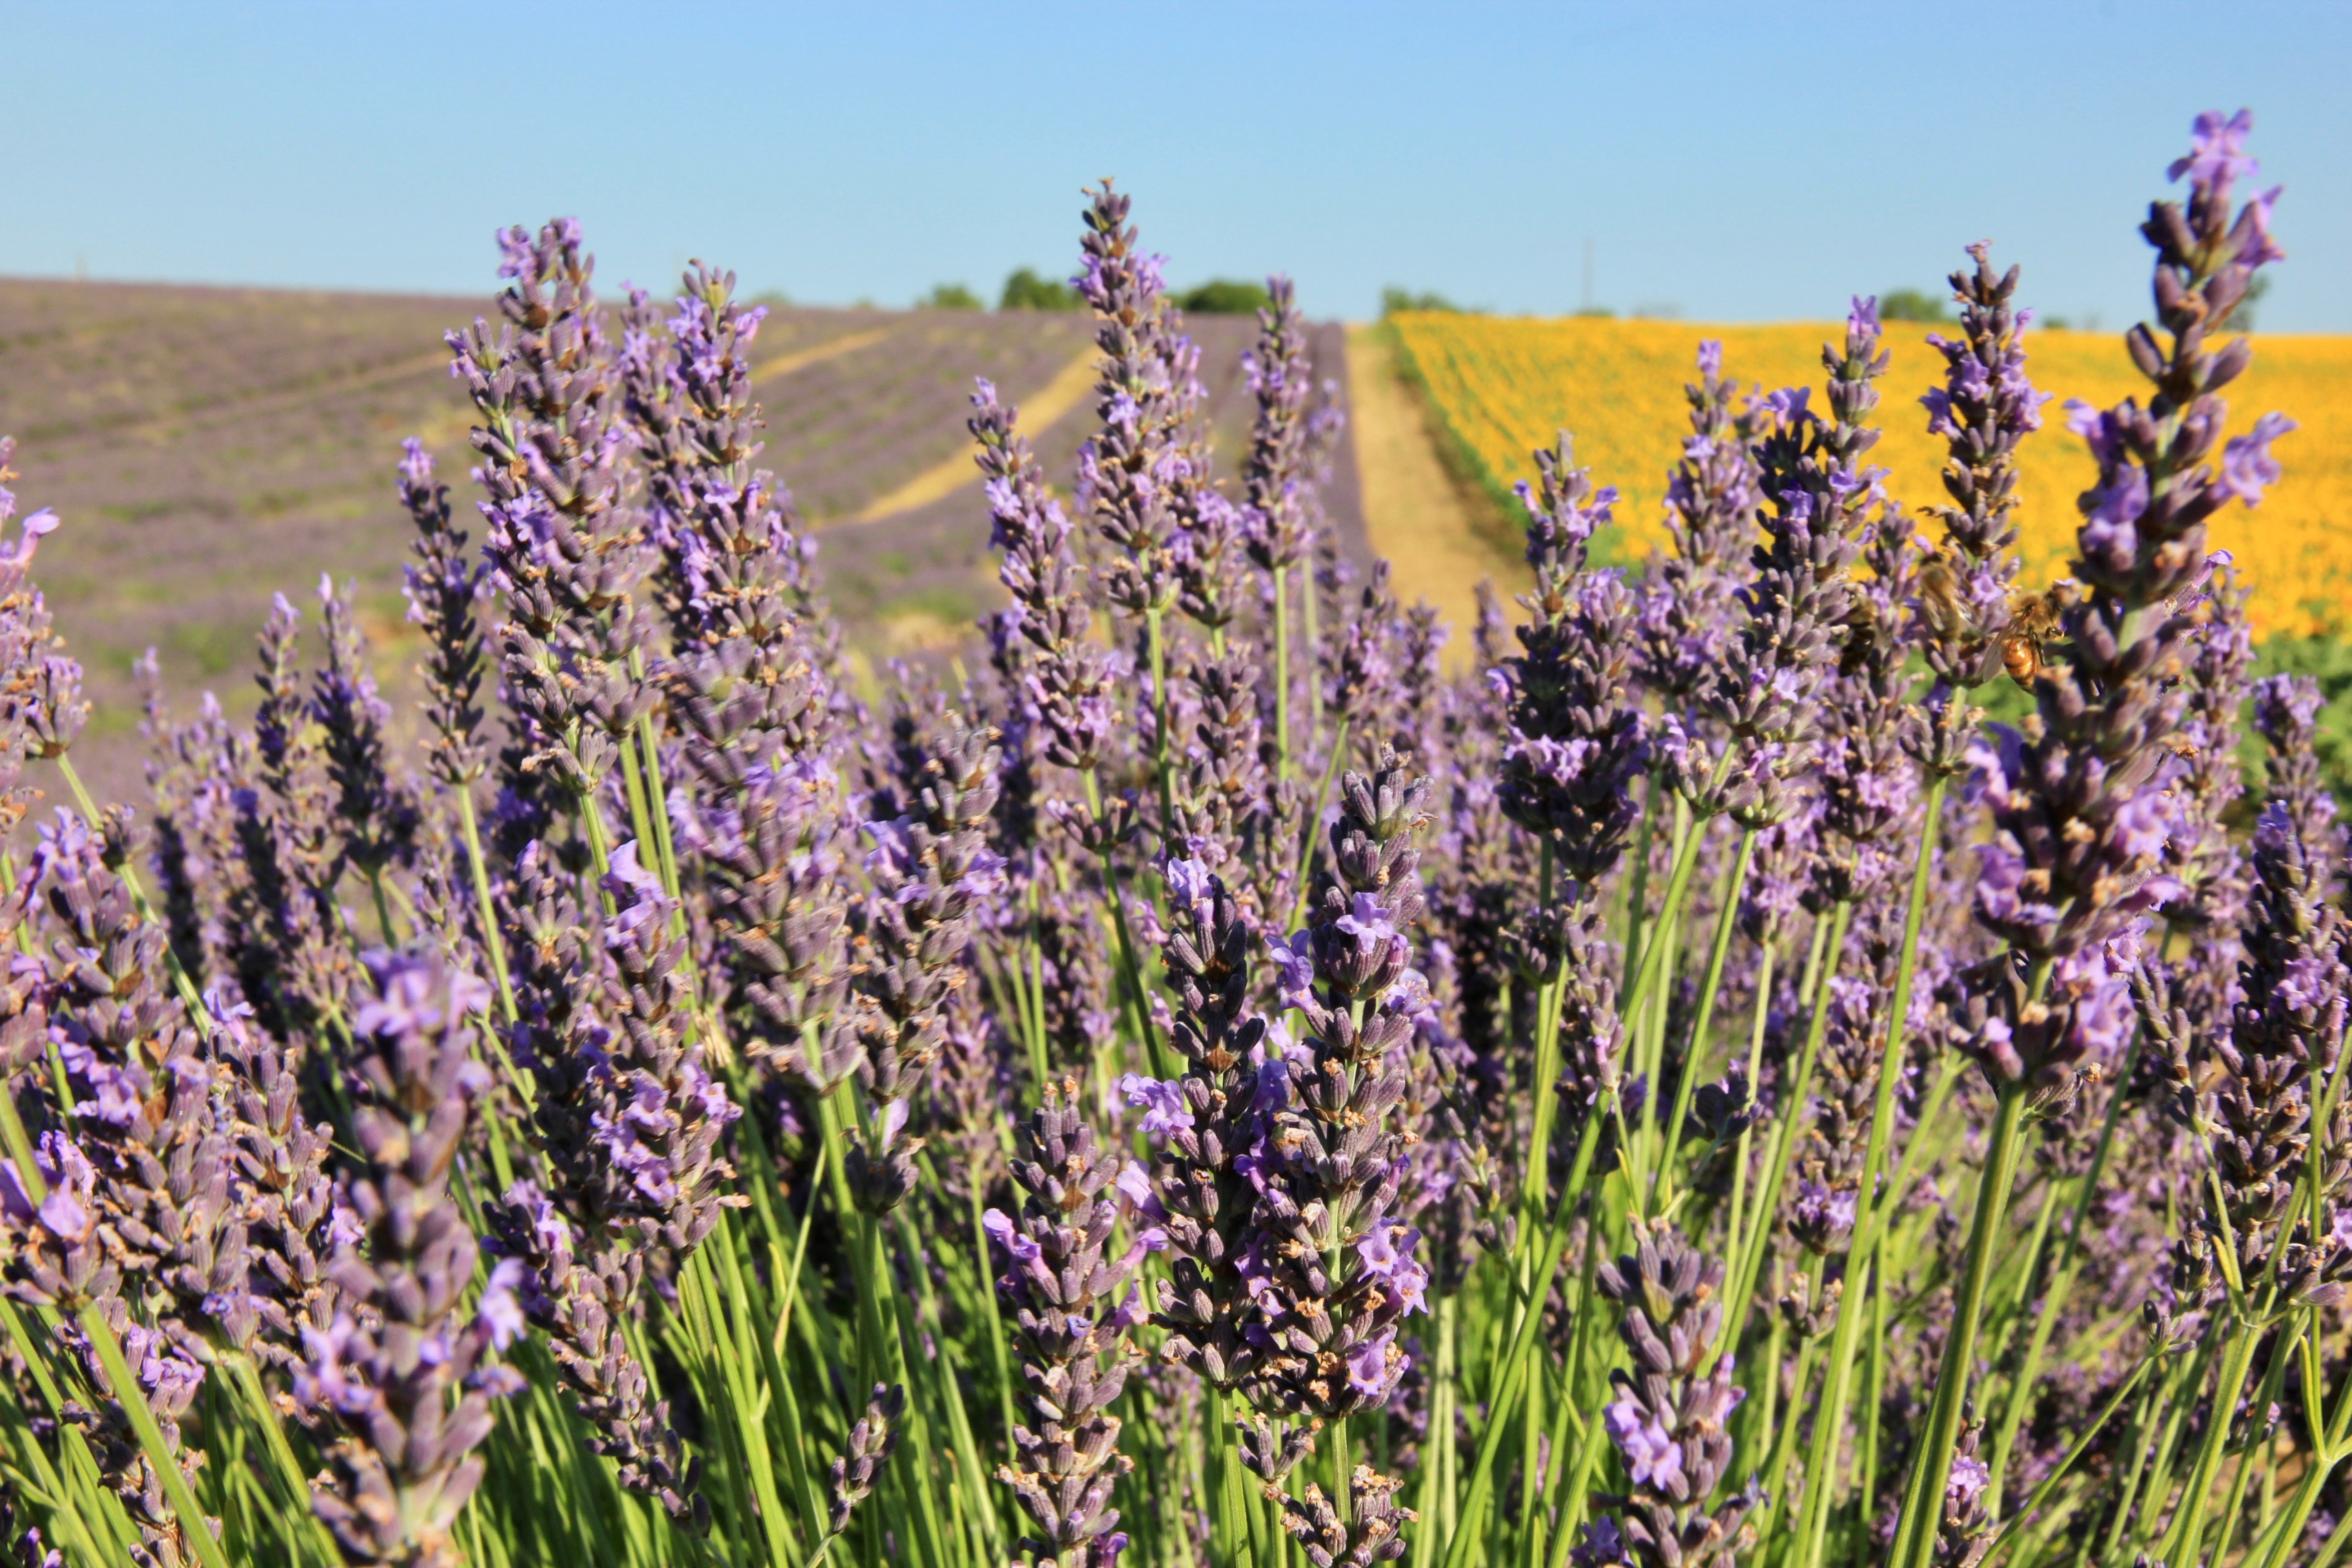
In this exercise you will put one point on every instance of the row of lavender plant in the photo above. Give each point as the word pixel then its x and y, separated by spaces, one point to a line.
pixel 1203 1085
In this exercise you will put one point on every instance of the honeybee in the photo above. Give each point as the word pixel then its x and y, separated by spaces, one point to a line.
pixel 1940 604
pixel 2032 622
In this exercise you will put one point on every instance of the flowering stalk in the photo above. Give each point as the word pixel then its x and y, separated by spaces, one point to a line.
pixel 443 589
pixel 1071 1325
pixel 2078 802
pixel 1072 679
pixel 1143 476
pixel 1277 522
pixel 1573 744
pixel 1668 1419
pixel 1802 595
pixel 564 547
pixel 408 1386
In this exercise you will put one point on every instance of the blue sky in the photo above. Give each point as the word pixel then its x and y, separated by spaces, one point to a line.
pixel 1729 161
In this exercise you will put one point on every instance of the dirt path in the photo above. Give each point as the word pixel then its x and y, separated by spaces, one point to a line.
pixel 1414 512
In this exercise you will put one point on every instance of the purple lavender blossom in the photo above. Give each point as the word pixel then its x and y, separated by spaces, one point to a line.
pixel 409 1385
pixel 1668 1418
pixel 1069 1326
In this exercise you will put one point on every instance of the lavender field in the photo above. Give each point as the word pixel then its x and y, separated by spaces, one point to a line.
pixel 875 938
pixel 211 446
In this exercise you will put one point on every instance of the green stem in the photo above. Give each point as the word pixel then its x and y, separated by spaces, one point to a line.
pixel 945 1374
pixel 657 807
pixel 1542 1083
pixel 1829 1432
pixel 1510 1382
pixel 1281 673
pixel 1163 759
pixel 2328 1453
pixel 1140 1008
pixel 1727 919
pixel 1309 831
pixel 1656 999
pixel 1434 1498
pixel 1874 1397
pixel 600 841
pixel 1311 602
pixel 1752 1248
pixel 1762 1012
pixel 992 1320
pixel 485 908
pixel 2041 1494
pixel 2060 1289
pixel 133 1405
pixel 1917 1541
pixel 2232 1512
pixel 1637 902
pixel 1822 1456
pixel 293 1486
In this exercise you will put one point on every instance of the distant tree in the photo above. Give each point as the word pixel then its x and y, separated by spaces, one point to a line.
pixel 1394 301
pixel 1025 291
pixel 1911 305
pixel 1598 313
pixel 1224 296
pixel 950 297
pixel 773 299
pixel 2242 319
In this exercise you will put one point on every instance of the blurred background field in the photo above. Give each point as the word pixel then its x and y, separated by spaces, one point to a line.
pixel 1496 387
pixel 206 447
pixel 209 446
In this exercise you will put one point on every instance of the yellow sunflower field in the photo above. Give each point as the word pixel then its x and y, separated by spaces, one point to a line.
pixel 1501 386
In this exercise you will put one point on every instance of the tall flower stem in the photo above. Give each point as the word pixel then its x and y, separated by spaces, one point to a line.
pixel 1916 1542
pixel 1670 909
pixel 1762 1015
pixel 2182 1539
pixel 1726 918
pixel 1130 970
pixel 2296 1515
pixel 2184 1536
pixel 1310 836
pixel 1544 1075
pixel 1510 1379
pixel 1435 1499
pixel 484 909
pixel 1742 1300
pixel 1311 591
pixel 2265 1397
pixel 1163 759
pixel 1821 1460
pixel 1648 1012
pixel 160 1458
pixel 1784 1433
pixel 2059 1289
pixel 1637 901
pixel 2041 1494
pixel 1281 673
pixel 1874 1401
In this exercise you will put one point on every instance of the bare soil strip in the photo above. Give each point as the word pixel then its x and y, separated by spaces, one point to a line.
pixel 1414 512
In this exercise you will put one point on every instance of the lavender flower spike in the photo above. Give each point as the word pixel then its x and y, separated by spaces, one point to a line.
pixel 1575 744
pixel 1069 1325
pixel 1668 1418
pixel 403 1379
